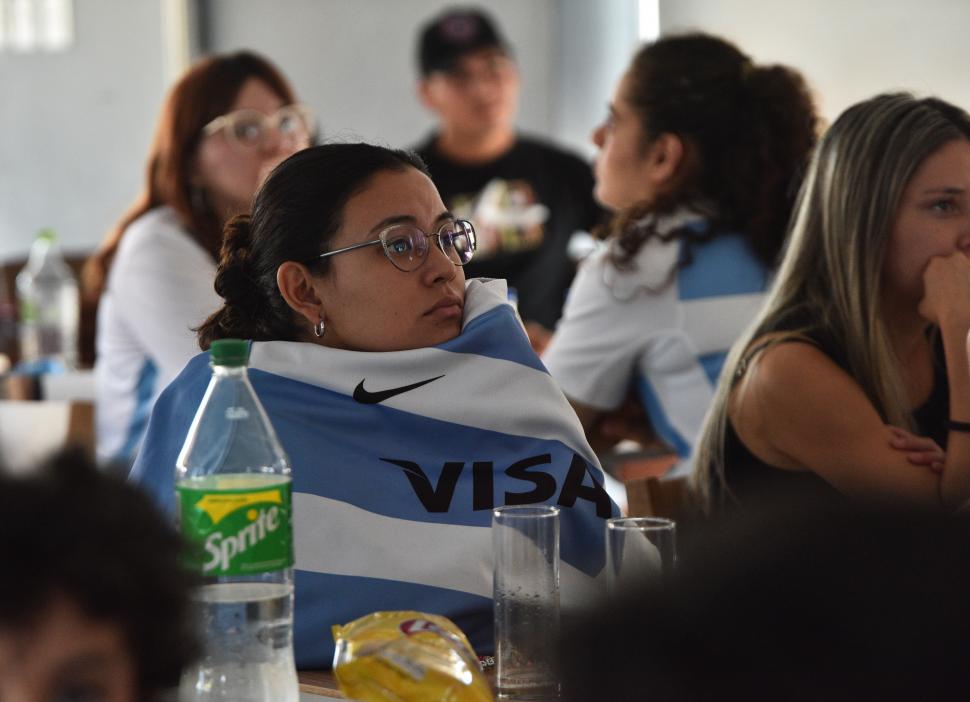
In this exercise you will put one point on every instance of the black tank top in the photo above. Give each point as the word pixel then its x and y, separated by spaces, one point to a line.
pixel 749 478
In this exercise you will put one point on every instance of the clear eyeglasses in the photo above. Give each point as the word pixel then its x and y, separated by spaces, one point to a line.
pixel 407 247
pixel 249 129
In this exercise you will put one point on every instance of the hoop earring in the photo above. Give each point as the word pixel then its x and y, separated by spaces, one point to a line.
pixel 320 328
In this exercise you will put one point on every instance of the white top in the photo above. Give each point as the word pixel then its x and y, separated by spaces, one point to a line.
pixel 660 329
pixel 159 287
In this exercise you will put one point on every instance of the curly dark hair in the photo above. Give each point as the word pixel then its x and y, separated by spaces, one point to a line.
pixel 74 532
pixel 749 131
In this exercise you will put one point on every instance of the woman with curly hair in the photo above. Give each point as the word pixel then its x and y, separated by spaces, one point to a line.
pixel 700 159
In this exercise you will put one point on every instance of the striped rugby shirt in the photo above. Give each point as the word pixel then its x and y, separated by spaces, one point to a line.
pixel 661 327
pixel 398 459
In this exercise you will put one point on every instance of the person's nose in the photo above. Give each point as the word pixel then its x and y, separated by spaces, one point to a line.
pixel 963 242
pixel 482 87
pixel 273 142
pixel 438 268
pixel 276 144
pixel 597 136
pixel 963 235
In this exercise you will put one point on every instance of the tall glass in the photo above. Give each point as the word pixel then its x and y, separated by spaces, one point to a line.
pixel 525 545
pixel 638 549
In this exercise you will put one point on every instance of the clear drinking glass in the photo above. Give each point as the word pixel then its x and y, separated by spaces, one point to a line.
pixel 638 549
pixel 525 544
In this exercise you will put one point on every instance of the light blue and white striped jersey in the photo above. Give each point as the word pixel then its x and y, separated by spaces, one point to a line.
pixel 662 328
pixel 398 459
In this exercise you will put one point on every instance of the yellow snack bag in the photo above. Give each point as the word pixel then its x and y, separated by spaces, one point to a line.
pixel 407 657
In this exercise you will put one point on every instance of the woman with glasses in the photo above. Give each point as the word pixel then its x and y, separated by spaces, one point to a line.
pixel 224 125
pixel 409 400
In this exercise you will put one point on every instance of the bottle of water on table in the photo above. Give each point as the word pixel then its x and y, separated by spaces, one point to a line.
pixel 49 307
pixel 233 492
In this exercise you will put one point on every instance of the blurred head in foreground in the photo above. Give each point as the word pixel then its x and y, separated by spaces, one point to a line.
pixel 93 602
pixel 844 603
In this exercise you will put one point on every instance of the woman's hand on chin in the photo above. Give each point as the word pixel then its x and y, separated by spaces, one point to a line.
pixel 946 296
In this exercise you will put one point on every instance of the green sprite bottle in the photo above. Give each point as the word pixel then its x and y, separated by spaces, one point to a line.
pixel 234 506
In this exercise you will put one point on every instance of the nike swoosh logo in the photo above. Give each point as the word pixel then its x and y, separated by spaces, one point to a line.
pixel 372 398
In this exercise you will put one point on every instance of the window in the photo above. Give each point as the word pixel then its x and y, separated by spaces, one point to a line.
pixel 648 12
pixel 36 25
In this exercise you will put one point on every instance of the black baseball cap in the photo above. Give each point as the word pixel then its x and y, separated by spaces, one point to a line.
pixel 452 34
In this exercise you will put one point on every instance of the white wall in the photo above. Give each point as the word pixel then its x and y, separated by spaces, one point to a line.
pixel 75 126
pixel 849 50
pixel 597 40
pixel 353 61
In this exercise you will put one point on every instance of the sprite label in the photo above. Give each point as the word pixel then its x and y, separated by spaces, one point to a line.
pixel 237 524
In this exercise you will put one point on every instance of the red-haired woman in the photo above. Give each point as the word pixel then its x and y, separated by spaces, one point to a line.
pixel 226 123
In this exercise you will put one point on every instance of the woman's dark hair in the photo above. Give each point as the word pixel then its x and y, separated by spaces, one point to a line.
pixel 748 132
pixel 205 92
pixel 69 531
pixel 296 213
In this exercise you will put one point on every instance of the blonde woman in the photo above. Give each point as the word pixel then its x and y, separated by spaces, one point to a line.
pixel 855 373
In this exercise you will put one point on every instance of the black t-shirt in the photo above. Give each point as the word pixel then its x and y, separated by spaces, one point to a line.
pixel 525 206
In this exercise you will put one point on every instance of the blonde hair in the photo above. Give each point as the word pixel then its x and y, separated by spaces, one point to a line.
pixel 829 280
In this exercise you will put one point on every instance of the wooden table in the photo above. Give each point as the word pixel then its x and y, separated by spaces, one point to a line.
pixel 319 683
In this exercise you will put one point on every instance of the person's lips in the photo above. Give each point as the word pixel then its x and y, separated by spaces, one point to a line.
pixel 446 307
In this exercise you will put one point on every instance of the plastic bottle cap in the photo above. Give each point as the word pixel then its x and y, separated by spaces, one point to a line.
pixel 47 234
pixel 229 352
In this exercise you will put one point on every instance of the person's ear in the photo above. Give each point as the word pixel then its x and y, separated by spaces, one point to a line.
pixel 665 158
pixel 297 287
pixel 426 93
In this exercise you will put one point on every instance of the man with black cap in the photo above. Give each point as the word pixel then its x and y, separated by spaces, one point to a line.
pixel 525 197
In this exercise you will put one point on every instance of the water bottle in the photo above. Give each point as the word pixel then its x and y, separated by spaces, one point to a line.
pixel 233 490
pixel 49 306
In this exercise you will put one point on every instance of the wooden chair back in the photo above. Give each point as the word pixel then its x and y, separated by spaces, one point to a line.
pixel 659 497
